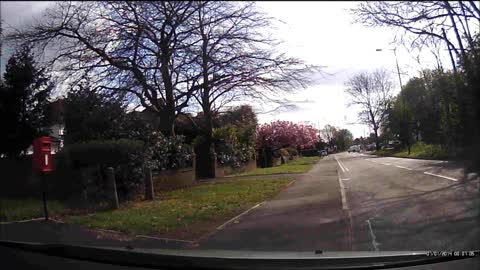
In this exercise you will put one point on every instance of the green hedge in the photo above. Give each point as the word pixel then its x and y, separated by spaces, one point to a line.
pixel 105 153
pixel 310 152
pixel 83 166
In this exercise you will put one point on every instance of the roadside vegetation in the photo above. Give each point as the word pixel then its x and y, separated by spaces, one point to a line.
pixel 418 150
pixel 299 165
pixel 439 106
pixel 185 208
pixel 21 209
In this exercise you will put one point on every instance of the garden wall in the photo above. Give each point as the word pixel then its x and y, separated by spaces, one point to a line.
pixel 173 179
pixel 221 171
pixel 276 161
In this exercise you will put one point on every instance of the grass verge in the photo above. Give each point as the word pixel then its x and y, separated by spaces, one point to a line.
pixel 20 209
pixel 300 165
pixel 184 208
pixel 418 150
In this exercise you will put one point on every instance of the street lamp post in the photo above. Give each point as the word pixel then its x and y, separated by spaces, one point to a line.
pixel 398 68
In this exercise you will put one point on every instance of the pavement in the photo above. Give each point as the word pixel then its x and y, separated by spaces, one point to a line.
pixel 306 216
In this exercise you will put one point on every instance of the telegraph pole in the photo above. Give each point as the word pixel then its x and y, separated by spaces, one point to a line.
pixel 449 51
pixel 398 69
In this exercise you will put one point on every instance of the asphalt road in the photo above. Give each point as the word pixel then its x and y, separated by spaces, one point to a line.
pixel 364 203
pixel 306 216
pixel 408 204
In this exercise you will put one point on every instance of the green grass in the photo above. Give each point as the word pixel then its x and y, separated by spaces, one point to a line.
pixel 300 165
pixel 186 207
pixel 19 209
pixel 418 150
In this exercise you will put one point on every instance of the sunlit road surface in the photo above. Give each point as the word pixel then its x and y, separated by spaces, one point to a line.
pixel 364 203
pixel 408 204
pixel 305 216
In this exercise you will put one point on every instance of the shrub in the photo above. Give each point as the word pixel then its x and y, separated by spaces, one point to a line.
pixel 292 151
pixel 167 153
pixel 310 152
pixel 87 161
pixel 233 145
pixel 104 152
pixel 422 150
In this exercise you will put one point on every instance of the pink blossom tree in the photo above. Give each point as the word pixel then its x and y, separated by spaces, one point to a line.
pixel 280 134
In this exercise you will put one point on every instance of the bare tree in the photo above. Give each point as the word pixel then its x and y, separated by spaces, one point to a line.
pixel 425 20
pixel 372 92
pixel 134 49
pixel 237 60
pixel 164 54
pixel 328 134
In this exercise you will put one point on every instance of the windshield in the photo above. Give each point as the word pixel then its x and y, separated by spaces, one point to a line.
pixel 260 126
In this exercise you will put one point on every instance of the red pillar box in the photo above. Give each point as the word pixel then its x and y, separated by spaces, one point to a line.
pixel 42 155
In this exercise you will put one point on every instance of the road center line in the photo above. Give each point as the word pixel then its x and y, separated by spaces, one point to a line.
pixel 401 167
pixel 345 167
pixel 340 164
pixel 442 176
pixel 342 193
pixel 347 210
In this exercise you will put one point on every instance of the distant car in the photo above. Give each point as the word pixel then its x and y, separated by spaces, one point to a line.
pixel 323 153
pixel 354 148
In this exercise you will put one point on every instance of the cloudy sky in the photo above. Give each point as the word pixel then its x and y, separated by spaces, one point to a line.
pixel 320 33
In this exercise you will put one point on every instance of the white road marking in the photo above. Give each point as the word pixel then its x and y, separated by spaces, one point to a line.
pixel 340 164
pixel 291 183
pixel 343 165
pixel 346 208
pixel 372 235
pixel 234 218
pixel 387 164
pixel 442 176
pixel 345 179
pixel 343 194
pixel 29 220
pixel 164 239
pixel 401 167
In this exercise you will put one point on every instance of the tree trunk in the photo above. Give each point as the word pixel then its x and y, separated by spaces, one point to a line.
pixel 167 122
pixel 208 149
pixel 377 142
pixel 209 145
pixel 267 157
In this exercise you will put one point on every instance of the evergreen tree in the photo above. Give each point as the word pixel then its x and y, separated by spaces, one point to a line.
pixel 24 101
